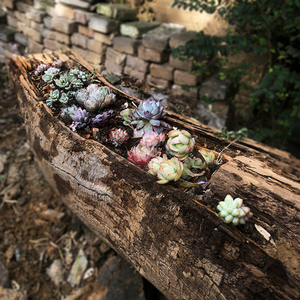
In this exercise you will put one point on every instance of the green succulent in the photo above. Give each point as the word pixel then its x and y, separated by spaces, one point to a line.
pixel 233 211
pixel 64 98
pixel 63 82
pixel 54 95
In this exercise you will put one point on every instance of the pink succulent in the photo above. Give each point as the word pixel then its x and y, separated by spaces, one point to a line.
pixel 118 136
pixel 152 138
pixel 141 155
pixel 155 163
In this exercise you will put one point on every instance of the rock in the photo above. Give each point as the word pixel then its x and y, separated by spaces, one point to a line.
pixel 103 24
pixel 158 38
pixel 52 215
pixel 104 248
pixel 117 11
pixel 12 192
pixel 215 88
pixel 182 38
pixel 121 279
pixel 6 33
pixel 55 272
pixel 136 29
pixel 3 160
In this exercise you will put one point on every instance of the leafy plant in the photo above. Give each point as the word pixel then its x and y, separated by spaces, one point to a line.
pixel 239 134
pixel 263 27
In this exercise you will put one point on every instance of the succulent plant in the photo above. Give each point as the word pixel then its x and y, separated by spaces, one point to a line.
pixel 169 170
pixel 57 63
pixel 95 98
pixel 81 96
pixel 40 69
pixel 80 119
pixel 48 78
pixel 67 111
pixel 192 163
pixel 64 98
pixel 77 83
pixel 118 136
pixel 208 156
pixel 152 139
pixel 54 95
pixel 146 118
pixel 102 120
pixel 233 211
pixel 126 115
pixel 52 70
pixel 141 155
pixel 180 144
pixel 63 82
pixel 155 162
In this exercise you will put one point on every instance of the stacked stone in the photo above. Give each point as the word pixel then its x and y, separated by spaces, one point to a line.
pixel 9 29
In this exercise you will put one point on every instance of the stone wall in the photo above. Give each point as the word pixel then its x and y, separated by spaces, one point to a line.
pixel 111 39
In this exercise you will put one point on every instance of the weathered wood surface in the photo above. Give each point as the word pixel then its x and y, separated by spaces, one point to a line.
pixel 177 243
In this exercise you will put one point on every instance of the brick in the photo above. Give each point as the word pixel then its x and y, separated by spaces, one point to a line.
pixel 21 38
pixel 78 39
pixel 158 38
pixel 134 73
pixel 103 24
pixel 36 26
pixel 57 36
pixel 50 11
pixel 98 68
pixel 21 26
pixel 115 57
pixel 63 11
pixel 136 63
pixel 89 56
pixel 63 25
pixel 126 45
pixel 2 59
pixel 34 35
pixel 34 47
pixel 158 82
pixel 22 6
pixel 82 17
pixel 54 45
pixel 117 11
pixel 20 16
pixel 182 38
pixel 105 38
pixel 48 22
pixel 35 15
pixel 186 78
pixel 96 46
pixel 163 71
pixel 185 65
pixel 136 29
pixel 8 3
pixel 178 91
pixel 152 55
pixel 113 68
pixel 12 22
pixel 76 3
pixel 86 31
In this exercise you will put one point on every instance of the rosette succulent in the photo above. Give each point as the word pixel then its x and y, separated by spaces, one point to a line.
pixel 63 82
pixel 180 144
pixel 64 98
pixel 169 170
pixel 49 74
pixel 40 69
pixel 155 162
pixel 118 136
pixel 67 111
pixel 233 211
pixel 146 118
pixel 102 120
pixel 208 156
pixel 80 119
pixel 126 115
pixel 141 155
pixel 94 98
pixel 57 63
pixel 192 163
pixel 152 139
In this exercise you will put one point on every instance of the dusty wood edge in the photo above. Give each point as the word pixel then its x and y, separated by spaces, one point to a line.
pixel 187 212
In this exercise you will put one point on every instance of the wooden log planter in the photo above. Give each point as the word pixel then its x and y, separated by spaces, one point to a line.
pixel 175 241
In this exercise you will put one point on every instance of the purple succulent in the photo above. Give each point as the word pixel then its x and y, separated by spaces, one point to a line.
pixel 80 119
pixel 57 64
pixel 102 120
pixel 146 118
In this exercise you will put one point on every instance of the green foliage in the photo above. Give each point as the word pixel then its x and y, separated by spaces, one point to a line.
pixel 264 27
pixel 225 134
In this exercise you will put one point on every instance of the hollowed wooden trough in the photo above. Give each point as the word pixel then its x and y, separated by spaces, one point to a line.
pixel 176 242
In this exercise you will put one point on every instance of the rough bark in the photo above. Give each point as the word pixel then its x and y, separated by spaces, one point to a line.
pixel 176 242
